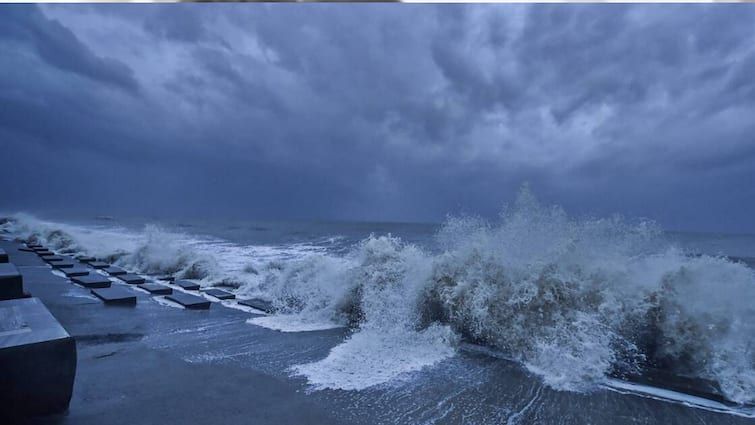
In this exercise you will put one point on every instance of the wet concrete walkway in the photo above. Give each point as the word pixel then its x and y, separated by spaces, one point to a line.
pixel 121 379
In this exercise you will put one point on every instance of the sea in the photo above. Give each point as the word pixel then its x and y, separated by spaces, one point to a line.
pixel 482 320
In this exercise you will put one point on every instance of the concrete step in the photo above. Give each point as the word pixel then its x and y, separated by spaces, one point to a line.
pixel 259 304
pixel 131 278
pixel 76 271
pixel 191 302
pixel 156 288
pixel 11 282
pixel 98 264
pixel 115 295
pixel 219 294
pixel 185 284
pixel 115 271
pixel 37 360
pixel 62 264
pixel 92 280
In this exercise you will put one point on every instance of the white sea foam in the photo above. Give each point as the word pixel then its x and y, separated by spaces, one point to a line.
pixel 624 387
pixel 375 357
pixel 74 293
pixel 293 323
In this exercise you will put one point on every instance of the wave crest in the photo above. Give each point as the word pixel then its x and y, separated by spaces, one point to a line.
pixel 574 300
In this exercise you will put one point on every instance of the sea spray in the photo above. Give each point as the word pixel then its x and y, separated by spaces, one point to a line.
pixel 161 252
pixel 574 300
pixel 387 280
pixel 152 250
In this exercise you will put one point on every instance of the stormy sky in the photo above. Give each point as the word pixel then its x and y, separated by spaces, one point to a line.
pixel 379 112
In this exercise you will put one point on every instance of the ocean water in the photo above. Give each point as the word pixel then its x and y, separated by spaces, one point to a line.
pixel 577 302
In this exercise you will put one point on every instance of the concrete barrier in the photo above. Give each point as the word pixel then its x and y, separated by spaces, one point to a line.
pixel 115 271
pixel 75 271
pixel 51 257
pixel 219 294
pixel 259 304
pixel 62 264
pixel 115 296
pixel 191 302
pixel 37 360
pixel 131 278
pixel 11 282
pixel 93 280
pixel 98 264
pixel 185 284
pixel 156 289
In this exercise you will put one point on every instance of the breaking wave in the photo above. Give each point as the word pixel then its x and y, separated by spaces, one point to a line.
pixel 575 300
pixel 155 251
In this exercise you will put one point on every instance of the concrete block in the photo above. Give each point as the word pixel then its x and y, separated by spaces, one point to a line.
pixel 219 294
pixel 3 256
pixel 259 304
pixel 37 360
pixel 191 302
pixel 92 280
pixel 115 271
pixel 185 284
pixel 85 258
pixel 62 264
pixel 34 245
pixel 75 271
pixel 43 252
pixel 25 249
pixel 51 257
pixel 115 295
pixel 156 289
pixel 99 264
pixel 11 282
pixel 131 278
pixel 166 278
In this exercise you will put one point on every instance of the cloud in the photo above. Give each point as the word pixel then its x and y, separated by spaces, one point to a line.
pixel 392 113
pixel 59 47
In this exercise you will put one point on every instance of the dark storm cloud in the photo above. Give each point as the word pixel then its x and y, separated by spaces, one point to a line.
pixel 60 48
pixel 393 112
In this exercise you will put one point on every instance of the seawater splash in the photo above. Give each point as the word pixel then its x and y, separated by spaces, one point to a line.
pixel 154 250
pixel 379 289
pixel 574 300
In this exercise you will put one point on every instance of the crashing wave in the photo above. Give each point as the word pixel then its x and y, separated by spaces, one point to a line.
pixel 574 300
